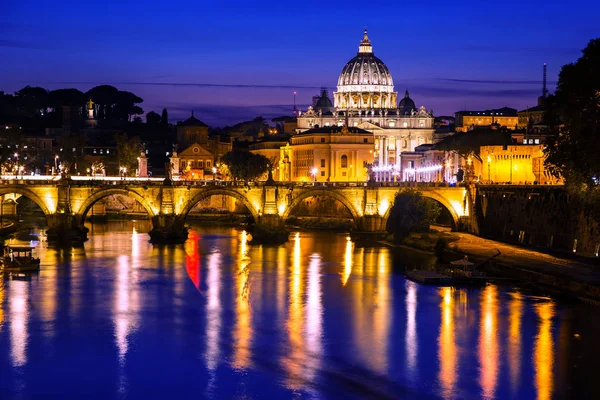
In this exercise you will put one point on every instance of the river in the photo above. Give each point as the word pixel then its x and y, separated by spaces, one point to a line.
pixel 319 317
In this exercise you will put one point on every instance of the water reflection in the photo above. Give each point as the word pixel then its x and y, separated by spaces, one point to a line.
pixel 447 346
pixel 488 341
pixel 543 359
pixel 319 317
pixel 18 314
pixel 213 309
pixel 242 331
pixel 515 313
pixel 411 340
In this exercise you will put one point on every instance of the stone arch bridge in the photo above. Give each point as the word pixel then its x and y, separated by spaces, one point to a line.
pixel 66 202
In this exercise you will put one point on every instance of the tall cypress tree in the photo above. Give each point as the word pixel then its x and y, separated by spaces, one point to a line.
pixel 164 118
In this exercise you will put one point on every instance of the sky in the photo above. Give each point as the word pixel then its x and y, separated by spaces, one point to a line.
pixel 231 61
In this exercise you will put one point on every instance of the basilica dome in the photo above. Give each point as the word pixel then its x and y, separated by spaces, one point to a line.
pixel 365 81
pixel 406 105
pixel 365 70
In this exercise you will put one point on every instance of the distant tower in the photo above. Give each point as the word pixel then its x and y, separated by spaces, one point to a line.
pixel 295 110
pixel 542 98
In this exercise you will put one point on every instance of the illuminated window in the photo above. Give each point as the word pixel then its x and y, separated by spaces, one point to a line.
pixel 537 141
pixel 356 124
pixel 208 164
pixel 405 124
pixel 344 161
pixel 322 163
pixel 322 173
pixel 392 124
pixel 200 164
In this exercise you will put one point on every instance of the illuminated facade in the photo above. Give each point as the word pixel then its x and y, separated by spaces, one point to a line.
pixel 196 162
pixel 365 99
pixel 270 147
pixel 516 164
pixel 327 154
pixel 505 117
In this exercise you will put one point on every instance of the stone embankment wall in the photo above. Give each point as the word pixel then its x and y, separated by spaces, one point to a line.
pixel 541 216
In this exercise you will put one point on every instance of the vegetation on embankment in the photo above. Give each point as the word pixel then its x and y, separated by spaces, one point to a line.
pixel 322 223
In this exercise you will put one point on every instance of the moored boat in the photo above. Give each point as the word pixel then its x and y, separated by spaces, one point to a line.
pixel 19 258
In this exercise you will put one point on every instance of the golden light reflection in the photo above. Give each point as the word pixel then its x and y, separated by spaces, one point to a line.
pixel 242 331
pixel 515 313
pixel 213 309
pixel 124 307
pixel 488 341
pixel 1 297
pixel 447 354
pixel 348 260
pixel 293 360
pixel 543 354
pixel 19 318
pixel 411 341
pixel 371 296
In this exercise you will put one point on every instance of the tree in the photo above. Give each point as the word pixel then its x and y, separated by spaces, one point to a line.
pixel 105 96
pixel 573 115
pixel 128 151
pixel 164 117
pixel 32 101
pixel 65 97
pixel 244 165
pixel 410 213
pixel 152 118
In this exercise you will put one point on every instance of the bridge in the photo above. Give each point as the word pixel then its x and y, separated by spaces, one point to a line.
pixel 66 201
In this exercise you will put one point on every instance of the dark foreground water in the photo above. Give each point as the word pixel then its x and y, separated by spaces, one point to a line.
pixel 318 317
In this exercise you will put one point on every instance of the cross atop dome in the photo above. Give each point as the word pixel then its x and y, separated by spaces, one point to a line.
pixel 365 45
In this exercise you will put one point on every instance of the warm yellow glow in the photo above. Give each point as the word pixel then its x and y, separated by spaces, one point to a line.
pixel 293 360
pixel 543 357
pixel 1 297
pixel 383 207
pixel 242 331
pixel 446 344
pixel 458 207
pixel 489 159
pixel 515 313
pixel 281 208
pixel 314 318
pixel 347 260
pixel 50 203
pixel 488 341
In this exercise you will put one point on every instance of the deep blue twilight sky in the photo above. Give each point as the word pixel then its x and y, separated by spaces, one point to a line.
pixel 449 55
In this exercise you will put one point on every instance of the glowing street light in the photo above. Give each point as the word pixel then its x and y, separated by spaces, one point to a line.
pixel 314 172
pixel 214 171
pixel 489 160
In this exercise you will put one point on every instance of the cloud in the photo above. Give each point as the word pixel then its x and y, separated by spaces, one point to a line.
pixel 15 44
pixel 197 84
pixel 500 82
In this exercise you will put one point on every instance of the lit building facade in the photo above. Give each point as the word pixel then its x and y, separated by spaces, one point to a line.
pixel 328 154
pixel 516 164
pixel 365 99
pixel 505 117
pixel 270 147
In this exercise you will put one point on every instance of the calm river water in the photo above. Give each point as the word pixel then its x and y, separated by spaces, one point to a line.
pixel 318 317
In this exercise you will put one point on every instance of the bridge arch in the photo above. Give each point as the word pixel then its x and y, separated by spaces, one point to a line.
pixel 434 196
pixel 90 201
pixel 216 192
pixel 46 207
pixel 322 192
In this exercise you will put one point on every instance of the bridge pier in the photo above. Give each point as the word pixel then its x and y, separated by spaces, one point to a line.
pixel 168 229
pixel 370 227
pixel 63 230
pixel 269 228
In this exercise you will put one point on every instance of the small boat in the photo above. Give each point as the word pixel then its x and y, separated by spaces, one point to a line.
pixel 20 258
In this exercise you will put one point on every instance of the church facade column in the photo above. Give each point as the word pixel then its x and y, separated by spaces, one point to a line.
pixel 398 147
pixel 385 150
pixel 380 138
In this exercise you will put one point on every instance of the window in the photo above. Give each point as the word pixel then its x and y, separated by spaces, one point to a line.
pixel 356 124
pixel 344 161
pixel 322 173
pixel 405 145
pixel 405 124
pixel 326 123
pixel 208 164
pixel 322 140
pixel 392 124
pixel 200 164
pixel 365 140
pixel 322 163
pixel 344 173
pixel 537 141
pixel 193 137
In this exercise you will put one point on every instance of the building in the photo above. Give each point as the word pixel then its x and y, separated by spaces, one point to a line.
pixel 195 162
pixel 333 153
pixel 515 164
pixel 365 99
pixel 191 131
pixel 270 147
pixel 504 117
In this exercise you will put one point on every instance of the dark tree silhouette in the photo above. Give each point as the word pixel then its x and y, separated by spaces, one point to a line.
pixel 164 118
pixel 244 165
pixel 410 213
pixel 106 97
pixel 152 118
pixel 65 97
pixel 32 101
pixel 573 115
